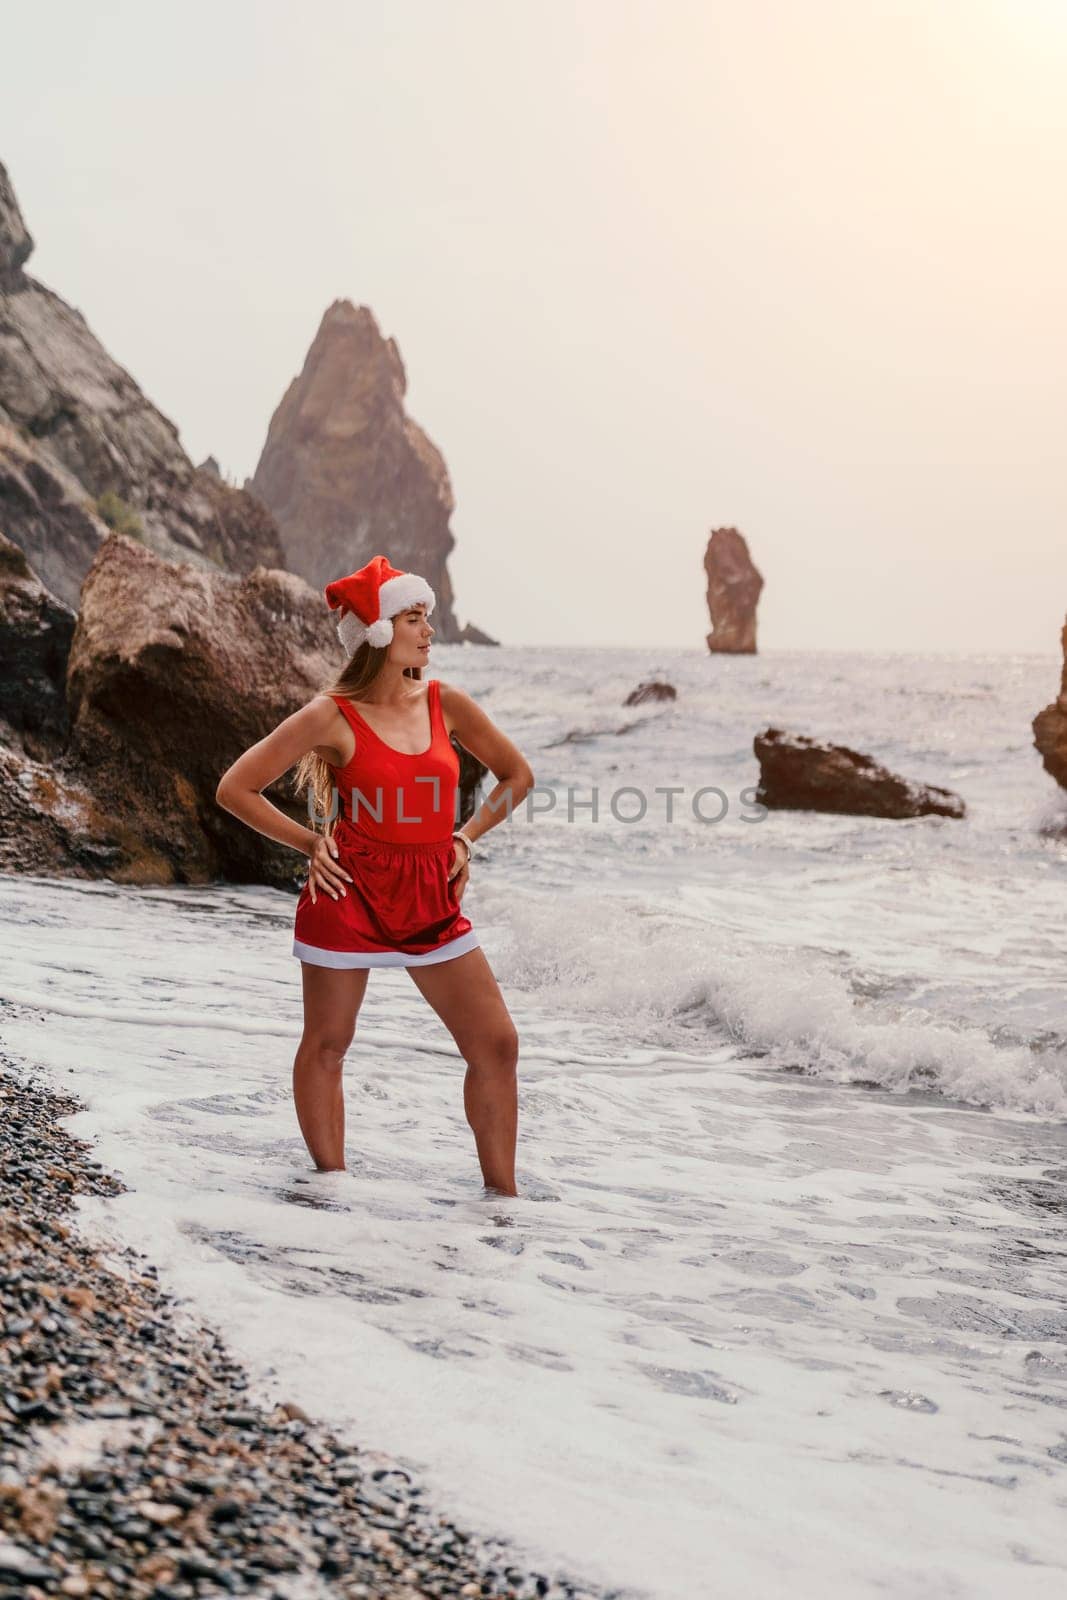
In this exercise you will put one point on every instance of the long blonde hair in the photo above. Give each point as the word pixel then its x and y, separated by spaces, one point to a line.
pixel 312 772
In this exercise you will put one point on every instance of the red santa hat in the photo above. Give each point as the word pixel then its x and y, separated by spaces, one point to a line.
pixel 370 598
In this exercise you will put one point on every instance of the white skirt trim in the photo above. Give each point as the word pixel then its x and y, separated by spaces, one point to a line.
pixel 383 958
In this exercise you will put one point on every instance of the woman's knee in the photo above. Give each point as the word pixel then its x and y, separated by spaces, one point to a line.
pixel 496 1048
pixel 326 1049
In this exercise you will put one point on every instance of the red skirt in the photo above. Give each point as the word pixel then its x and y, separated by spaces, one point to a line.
pixel 400 910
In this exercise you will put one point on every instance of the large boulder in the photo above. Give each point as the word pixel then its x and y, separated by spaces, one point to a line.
pixel 50 823
pixel 173 672
pixel 84 450
pixel 733 591
pixel 802 774
pixel 1050 727
pixel 348 475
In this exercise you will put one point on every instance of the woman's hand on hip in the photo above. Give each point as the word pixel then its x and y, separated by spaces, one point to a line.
pixel 459 871
pixel 324 872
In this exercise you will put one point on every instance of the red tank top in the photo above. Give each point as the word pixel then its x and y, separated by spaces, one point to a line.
pixel 389 795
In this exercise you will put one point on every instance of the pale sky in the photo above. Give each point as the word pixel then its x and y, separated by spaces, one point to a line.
pixel 799 266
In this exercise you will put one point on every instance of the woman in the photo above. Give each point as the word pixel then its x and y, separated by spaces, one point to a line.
pixel 387 872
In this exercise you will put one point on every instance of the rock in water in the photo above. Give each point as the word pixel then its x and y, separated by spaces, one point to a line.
pixel 1050 727
pixel 347 474
pixel 470 634
pixel 82 450
pixel 801 774
pixel 734 587
pixel 651 689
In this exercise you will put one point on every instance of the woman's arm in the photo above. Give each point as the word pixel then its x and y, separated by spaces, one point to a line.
pixel 240 785
pixel 477 733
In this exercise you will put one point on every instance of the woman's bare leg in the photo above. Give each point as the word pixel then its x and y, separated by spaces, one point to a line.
pixel 332 998
pixel 467 998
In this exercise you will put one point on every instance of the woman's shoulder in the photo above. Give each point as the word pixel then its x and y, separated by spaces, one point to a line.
pixel 328 702
pixel 451 694
pixel 462 714
pixel 321 705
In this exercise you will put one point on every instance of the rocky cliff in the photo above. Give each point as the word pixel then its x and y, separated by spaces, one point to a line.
pixel 83 451
pixel 346 473
pixel 733 593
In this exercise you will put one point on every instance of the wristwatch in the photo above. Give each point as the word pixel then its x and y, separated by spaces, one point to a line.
pixel 459 834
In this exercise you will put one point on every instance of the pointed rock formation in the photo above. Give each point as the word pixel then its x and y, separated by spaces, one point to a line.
pixel 1050 727
pixel 82 450
pixel 469 634
pixel 733 592
pixel 348 475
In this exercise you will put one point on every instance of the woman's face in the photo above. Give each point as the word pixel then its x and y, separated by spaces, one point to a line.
pixel 412 633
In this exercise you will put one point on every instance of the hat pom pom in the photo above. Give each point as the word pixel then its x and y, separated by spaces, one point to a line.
pixel 380 633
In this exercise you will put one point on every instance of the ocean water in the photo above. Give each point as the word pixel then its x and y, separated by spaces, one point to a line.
pixel 781 1308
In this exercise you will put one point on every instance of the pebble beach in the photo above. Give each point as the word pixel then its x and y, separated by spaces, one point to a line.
pixel 135 1461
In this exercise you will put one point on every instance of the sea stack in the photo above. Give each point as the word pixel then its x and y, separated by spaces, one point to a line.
pixel 1050 727
pixel 348 475
pixel 734 586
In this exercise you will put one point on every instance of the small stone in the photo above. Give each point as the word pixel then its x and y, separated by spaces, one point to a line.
pixel 225 1510
pixel 18 1563
pixel 194 1565
pixel 159 1513
pixel 292 1411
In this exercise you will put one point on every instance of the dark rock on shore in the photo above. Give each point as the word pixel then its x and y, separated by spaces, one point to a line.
pixel 170 672
pixel 1050 727
pixel 135 1460
pixel 35 634
pixel 82 449
pixel 173 672
pixel 802 774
